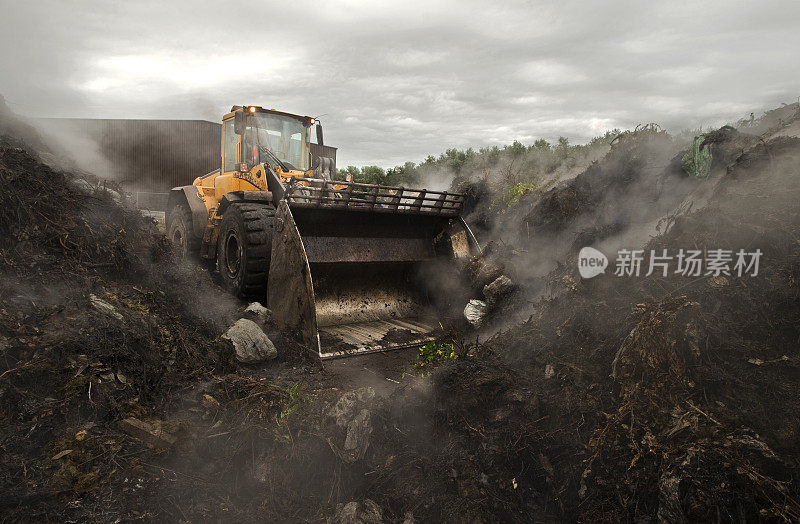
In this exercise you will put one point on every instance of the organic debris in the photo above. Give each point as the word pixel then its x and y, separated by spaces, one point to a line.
pixel 661 397
pixel 151 435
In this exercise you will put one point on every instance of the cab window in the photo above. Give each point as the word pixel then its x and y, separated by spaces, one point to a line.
pixel 229 147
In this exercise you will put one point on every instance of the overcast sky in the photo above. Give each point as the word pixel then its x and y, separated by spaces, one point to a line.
pixel 397 81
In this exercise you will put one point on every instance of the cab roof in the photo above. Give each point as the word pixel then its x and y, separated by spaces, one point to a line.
pixel 259 109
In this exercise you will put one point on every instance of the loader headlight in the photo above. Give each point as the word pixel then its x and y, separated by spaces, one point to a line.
pixel 252 109
pixel 311 121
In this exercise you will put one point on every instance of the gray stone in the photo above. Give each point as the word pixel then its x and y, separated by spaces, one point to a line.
pixel 250 342
pixel 258 312
pixel 350 404
pixel 359 431
pixel 500 288
pixel 351 413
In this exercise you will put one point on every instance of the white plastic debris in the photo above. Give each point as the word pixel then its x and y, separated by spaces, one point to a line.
pixel 475 311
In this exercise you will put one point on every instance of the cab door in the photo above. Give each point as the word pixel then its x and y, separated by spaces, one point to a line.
pixel 231 147
pixel 231 152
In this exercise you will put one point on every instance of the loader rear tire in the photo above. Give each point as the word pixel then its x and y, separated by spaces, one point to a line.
pixel 180 232
pixel 244 247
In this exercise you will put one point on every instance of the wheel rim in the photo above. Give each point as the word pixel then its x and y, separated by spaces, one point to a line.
pixel 178 243
pixel 233 254
pixel 177 239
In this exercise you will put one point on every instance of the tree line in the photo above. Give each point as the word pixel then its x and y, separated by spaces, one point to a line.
pixel 537 158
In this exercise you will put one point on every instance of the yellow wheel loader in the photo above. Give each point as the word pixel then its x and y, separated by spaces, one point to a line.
pixel 347 267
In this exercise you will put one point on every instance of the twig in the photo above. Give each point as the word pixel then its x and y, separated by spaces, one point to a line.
pixel 473 429
pixel 188 475
pixel 709 417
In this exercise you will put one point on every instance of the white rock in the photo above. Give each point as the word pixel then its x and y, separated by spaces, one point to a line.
pixel 104 307
pixel 549 371
pixel 475 311
pixel 252 345
pixel 257 311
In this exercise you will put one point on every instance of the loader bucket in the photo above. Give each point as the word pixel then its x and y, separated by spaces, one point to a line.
pixel 349 266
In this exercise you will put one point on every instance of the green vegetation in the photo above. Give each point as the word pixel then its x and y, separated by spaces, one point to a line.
pixel 405 175
pixel 697 160
pixel 433 351
pixel 296 397
pixel 517 190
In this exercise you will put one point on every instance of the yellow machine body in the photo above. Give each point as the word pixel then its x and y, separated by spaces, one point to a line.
pixel 348 268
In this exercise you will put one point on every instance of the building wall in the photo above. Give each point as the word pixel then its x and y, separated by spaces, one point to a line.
pixel 147 156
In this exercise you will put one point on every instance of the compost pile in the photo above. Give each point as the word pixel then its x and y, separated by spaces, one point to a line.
pixel 97 324
pixel 118 398
pixel 672 398
pixel 622 398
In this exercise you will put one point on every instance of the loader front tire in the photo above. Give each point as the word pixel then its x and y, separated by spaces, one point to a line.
pixel 244 246
pixel 179 231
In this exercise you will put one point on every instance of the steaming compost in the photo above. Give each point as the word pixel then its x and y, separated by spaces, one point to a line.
pixel 667 398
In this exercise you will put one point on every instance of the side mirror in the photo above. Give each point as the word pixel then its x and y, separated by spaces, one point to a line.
pixel 319 134
pixel 238 122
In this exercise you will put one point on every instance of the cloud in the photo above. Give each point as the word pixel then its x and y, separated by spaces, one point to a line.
pixel 551 73
pixel 396 81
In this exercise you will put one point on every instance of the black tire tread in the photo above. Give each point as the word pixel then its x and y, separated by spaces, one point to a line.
pixel 258 223
pixel 183 214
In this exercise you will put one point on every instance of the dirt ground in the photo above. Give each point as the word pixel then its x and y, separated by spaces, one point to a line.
pixel 611 399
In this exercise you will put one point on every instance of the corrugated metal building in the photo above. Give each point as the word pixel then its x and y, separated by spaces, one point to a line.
pixel 147 156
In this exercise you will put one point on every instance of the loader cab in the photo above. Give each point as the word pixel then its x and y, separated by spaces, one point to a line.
pixel 253 135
